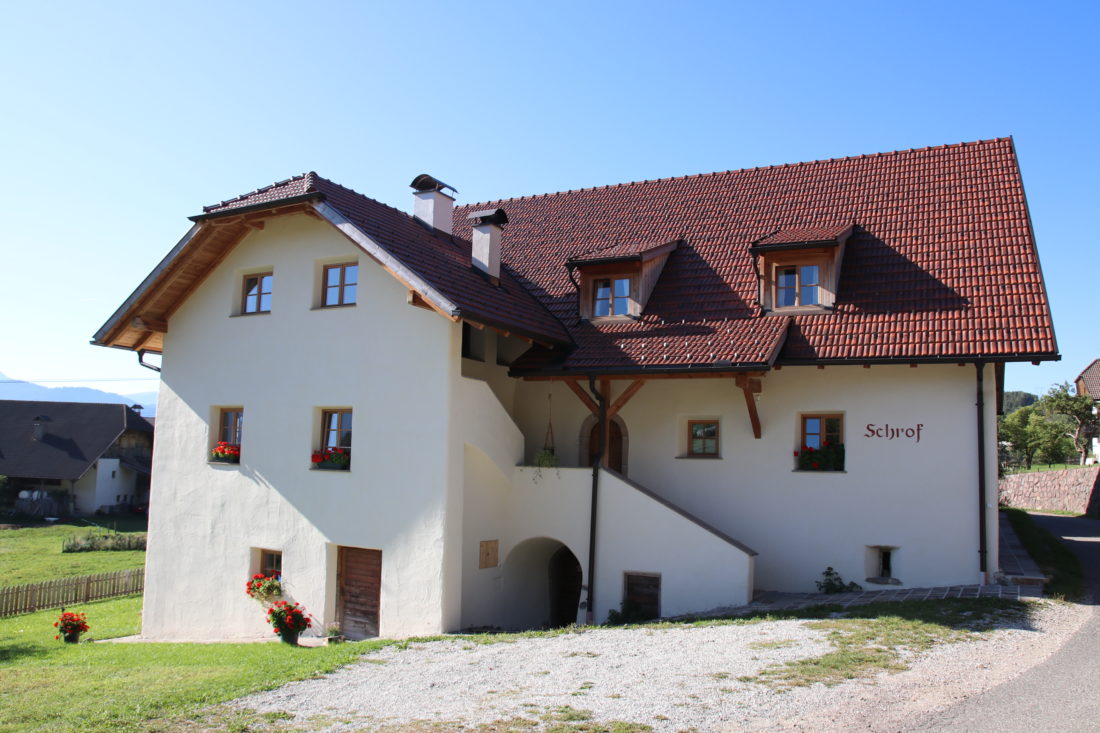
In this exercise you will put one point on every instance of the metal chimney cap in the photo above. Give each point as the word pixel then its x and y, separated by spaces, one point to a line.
pixel 424 182
pixel 489 216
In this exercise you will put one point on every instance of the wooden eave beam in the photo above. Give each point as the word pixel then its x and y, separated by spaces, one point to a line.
pixel 149 323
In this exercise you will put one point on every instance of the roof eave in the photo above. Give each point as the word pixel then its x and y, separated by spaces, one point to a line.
pixel 236 211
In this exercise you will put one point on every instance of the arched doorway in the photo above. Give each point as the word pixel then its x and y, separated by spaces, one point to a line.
pixel 615 443
pixel 542 585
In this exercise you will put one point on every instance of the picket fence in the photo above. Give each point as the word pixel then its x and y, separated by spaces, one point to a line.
pixel 69 591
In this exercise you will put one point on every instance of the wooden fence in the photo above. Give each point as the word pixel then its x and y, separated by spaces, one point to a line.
pixel 70 591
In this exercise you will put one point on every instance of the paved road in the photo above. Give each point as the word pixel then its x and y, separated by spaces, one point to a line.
pixel 1061 694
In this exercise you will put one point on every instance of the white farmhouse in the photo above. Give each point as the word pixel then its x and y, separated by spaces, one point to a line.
pixel 773 370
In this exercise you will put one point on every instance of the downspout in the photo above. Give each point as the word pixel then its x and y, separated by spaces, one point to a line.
pixel 141 360
pixel 577 287
pixel 597 461
pixel 982 563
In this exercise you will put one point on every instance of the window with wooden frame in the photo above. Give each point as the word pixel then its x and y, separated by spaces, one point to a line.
pixel 611 296
pixel 335 449
pixel 271 563
pixel 797 285
pixel 340 284
pixel 702 439
pixel 642 596
pixel 256 293
pixel 821 442
pixel 227 441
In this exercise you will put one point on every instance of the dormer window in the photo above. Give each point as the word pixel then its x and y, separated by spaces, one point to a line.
pixel 611 297
pixel 615 281
pixel 797 285
pixel 799 268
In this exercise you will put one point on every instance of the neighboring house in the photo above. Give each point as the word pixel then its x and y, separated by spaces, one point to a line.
pixel 1088 383
pixel 779 369
pixel 66 458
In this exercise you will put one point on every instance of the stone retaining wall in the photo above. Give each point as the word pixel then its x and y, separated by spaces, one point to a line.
pixel 1071 490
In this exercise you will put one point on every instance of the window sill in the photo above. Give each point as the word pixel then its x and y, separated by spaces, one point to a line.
pixel 243 315
pixel 813 470
pixel 699 458
pixel 796 309
pixel 613 319
pixel 883 581
pixel 227 464
pixel 334 307
pixel 330 469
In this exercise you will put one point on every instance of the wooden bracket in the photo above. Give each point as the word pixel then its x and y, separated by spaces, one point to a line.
pixel 579 391
pixel 629 392
pixel 147 323
pixel 751 386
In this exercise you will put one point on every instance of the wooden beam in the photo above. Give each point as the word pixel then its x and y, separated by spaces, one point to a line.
pixel 414 298
pixel 605 390
pixel 148 323
pixel 584 397
pixel 754 416
pixel 629 392
pixel 648 377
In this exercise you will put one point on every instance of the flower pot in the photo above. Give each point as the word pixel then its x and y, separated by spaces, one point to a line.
pixel 73 637
pixel 325 466
pixel 289 637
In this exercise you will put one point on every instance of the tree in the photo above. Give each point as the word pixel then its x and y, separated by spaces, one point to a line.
pixel 1015 400
pixel 1015 429
pixel 1083 422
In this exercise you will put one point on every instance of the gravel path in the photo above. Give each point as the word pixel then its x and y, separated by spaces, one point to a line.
pixel 671 679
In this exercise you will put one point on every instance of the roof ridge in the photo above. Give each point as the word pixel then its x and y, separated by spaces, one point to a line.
pixel 363 196
pixel 243 196
pixel 688 176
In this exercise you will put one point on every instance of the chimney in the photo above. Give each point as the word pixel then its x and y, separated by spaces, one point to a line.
pixel 487 227
pixel 430 204
pixel 39 423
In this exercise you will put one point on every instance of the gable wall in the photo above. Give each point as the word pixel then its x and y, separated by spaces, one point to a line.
pixel 382 358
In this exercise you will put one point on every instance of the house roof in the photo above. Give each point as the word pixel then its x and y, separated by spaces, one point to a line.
pixel 1089 380
pixel 434 264
pixel 75 435
pixel 941 265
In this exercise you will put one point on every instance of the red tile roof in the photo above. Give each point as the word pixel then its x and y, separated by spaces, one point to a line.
pixel 804 234
pixel 1090 380
pixel 941 265
pixel 621 251
pixel 441 260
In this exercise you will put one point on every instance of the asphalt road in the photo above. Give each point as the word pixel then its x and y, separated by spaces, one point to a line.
pixel 1062 693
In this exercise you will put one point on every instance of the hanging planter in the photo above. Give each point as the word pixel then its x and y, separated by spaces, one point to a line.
pixel 547 457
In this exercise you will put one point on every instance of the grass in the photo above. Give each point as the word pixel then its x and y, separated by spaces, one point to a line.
pixel 33 554
pixel 46 685
pixel 1009 470
pixel 1057 562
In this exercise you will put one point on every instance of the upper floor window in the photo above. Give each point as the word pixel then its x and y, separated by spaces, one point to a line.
pixel 335 451
pixel 227 446
pixel 822 443
pixel 797 285
pixel 271 563
pixel 256 293
pixel 341 284
pixel 702 438
pixel 611 297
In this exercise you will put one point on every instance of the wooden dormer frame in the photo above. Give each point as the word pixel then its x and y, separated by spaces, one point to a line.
pixel 643 267
pixel 827 255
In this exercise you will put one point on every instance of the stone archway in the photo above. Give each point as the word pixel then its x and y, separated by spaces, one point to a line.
pixel 542 585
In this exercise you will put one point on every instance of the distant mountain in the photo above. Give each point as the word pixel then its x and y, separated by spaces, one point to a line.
pixel 18 390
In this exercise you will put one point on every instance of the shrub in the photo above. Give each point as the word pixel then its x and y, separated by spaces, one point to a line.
pixel 94 542
pixel 631 613
pixel 832 583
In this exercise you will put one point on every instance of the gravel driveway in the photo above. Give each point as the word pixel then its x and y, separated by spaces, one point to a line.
pixel 670 679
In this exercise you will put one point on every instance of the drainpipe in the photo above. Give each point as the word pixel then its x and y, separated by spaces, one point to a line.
pixel 597 460
pixel 982 564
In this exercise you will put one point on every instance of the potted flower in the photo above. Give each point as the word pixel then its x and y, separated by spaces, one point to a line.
pixel 829 457
pixel 288 621
pixel 264 588
pixel 225 452
pixel 70 626
pixel 332 459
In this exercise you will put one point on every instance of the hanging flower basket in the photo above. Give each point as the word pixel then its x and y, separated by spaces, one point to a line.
pixel 264 588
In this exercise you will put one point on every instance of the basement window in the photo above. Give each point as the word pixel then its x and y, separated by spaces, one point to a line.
pixel 880 562
pixel 642 596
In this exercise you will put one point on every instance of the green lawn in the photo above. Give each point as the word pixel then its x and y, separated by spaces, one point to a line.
pixel 1009 470
pixel 33 554
pixel 46 685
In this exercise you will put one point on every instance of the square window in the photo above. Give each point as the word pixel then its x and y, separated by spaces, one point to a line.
pixel 797 285
pixel 611 297
pixel 821 443
pixel 271 563
pixel 703 438
pixel 335 447
pixel 256 293
pixel 340 284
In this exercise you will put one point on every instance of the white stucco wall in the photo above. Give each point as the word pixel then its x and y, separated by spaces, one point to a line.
pixel 387 361
pixel 919 497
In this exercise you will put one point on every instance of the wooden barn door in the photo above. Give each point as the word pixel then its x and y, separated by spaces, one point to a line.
pixel 358 591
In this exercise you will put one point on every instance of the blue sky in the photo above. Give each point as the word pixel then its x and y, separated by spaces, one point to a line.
pixel 121 119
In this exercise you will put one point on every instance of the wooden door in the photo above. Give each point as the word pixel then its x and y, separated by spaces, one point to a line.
pixel 358 591
pixel 614 445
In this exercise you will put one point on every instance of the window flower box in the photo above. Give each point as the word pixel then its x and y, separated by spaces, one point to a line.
pixel 225 452
pixel 332 459
pixel 829 457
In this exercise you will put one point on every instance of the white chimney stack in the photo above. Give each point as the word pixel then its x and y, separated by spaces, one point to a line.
pixel 430 204
pixel 487 226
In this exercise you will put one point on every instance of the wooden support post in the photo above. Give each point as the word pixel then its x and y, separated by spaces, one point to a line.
pixel 605 388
